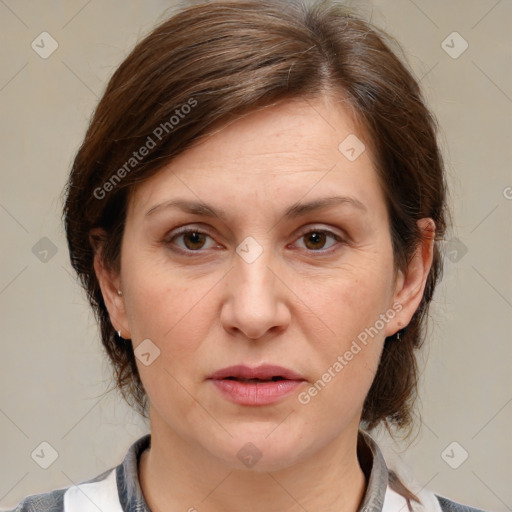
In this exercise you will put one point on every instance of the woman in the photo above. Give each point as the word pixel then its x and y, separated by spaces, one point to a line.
pixel 255 214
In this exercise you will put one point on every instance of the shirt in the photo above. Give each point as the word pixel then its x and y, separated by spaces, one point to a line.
pixel 118 489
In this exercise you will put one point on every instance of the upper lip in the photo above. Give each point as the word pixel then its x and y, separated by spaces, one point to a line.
pixel 263 372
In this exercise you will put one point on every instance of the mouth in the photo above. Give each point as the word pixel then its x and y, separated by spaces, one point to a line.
pixel 264 385
pixel 263 373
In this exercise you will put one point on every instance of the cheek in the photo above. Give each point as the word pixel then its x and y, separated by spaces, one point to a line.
pixel 345 363
pixel 173 310
pixel 346 355
pixel 350 299
pixel 175 313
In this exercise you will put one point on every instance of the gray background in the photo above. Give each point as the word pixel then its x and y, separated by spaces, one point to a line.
pixel 53 373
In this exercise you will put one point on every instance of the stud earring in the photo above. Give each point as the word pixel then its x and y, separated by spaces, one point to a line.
pixel 399 333
pixel 119 292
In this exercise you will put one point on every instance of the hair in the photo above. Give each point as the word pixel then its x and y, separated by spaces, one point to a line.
pixel 212 62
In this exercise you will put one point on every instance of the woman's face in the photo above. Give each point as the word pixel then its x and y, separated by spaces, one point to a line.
pixel 268 280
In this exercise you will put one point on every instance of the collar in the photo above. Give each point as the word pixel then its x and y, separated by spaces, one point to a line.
pixel 374 467
pixel 370 458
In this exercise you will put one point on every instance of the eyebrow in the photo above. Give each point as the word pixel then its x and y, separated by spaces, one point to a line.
pixel 294 211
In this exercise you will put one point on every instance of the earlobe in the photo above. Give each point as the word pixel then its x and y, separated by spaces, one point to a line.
pixel 109 282
pixel 410 283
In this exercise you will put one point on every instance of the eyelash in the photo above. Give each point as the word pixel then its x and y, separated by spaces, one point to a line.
pixel 169 240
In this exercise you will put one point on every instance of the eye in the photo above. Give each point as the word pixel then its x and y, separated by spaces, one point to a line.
pixel 315 239
pixel 193 240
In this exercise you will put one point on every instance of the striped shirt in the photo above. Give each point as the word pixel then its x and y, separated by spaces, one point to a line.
pixel 118 489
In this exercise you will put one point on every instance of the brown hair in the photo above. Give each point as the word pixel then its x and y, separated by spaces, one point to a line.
pixel 214 61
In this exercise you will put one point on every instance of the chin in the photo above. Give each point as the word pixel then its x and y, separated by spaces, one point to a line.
pixel 260 449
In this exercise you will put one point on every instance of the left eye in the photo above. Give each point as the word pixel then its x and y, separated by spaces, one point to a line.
pixel 318 237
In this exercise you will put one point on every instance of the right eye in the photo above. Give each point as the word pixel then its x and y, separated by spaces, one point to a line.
pixel 193 240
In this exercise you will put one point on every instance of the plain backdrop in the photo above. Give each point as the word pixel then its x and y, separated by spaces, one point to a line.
pixel 53 371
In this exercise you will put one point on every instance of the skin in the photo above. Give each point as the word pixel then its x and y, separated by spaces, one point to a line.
pixel 300 304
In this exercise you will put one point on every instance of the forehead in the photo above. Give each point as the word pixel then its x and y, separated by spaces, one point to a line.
pixel 295 149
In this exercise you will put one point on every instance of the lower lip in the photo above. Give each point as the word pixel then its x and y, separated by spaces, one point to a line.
pixel 262 393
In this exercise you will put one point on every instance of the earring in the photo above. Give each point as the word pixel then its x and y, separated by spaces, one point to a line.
pixel 119 292
pixel 119 333
pixel 401 331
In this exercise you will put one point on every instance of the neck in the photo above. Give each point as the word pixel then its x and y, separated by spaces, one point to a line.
pixel 175 476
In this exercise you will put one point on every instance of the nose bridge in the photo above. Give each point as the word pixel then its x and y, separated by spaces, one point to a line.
pixel 253 271
pixel 254 304
pixel 254 282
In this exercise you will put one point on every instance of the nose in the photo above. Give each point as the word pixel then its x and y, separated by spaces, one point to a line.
pixel 255 299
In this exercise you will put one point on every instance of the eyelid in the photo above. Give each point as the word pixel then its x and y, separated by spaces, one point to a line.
pixel 318 227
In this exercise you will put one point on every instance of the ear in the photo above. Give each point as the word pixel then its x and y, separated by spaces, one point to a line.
pixel 410 282
pixel 109 282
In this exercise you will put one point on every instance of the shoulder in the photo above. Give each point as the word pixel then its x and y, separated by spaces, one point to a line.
pixel 114 490
pixel 448 505
pixel 52 501
pixel 101 490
